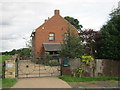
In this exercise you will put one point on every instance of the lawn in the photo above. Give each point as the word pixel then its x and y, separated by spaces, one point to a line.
pixel 83 79
pixel 8 82
pixel 2 58
pixel 0 83
pixel 91 82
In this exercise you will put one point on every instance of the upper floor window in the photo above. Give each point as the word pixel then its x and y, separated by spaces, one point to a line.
pixel 51 36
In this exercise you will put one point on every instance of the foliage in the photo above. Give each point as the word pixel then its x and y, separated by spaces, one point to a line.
pixel 79 72
pixel 86 60
pixel 72 46
pixel 3 57
pixel 0 82
pixel 110 47
pixel 7 82
pixel 83 79
pixel 53 62
pixel 74 22
pixel 91 40
pixel 29 44
pixel 22 52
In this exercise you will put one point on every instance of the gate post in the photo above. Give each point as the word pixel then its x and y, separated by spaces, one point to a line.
pixel 16 68
pixel 10 67
pixel 65 67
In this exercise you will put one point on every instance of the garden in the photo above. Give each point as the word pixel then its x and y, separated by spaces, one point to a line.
pixel 97 45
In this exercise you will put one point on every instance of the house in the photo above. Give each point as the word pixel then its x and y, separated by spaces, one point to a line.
pixel 49 36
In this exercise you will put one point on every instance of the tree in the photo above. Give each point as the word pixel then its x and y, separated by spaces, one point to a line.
pixel 110 47
pixel 72 46
pixel 24 52
pixel 74 22
pixel 90 38
pixel 14 51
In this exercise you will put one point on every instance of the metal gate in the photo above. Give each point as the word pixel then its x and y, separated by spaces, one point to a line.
pixel 38 68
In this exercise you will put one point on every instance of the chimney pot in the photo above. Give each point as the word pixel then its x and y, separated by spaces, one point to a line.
pixel 45 20
pixel 56 12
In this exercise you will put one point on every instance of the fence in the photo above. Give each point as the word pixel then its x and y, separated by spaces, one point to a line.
pixel 102 67
pixel 107 68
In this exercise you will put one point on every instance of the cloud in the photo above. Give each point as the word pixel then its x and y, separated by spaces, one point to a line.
pixel 11 44
pixel 5 22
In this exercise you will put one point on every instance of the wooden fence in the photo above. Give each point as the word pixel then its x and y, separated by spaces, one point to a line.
pixel 102 67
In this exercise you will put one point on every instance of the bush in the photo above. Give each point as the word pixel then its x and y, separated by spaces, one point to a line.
pixel 78 72
pixel 52 63
pixel 87 60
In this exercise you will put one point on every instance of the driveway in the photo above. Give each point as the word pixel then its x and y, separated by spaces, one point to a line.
pixel 43 82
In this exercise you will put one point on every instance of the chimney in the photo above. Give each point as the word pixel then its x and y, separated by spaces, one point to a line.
pixel 45 20
pixel 56 12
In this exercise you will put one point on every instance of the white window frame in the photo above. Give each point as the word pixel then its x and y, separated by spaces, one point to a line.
pixel 51 36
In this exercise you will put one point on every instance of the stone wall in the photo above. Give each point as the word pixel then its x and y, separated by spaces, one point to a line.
pixel 10 67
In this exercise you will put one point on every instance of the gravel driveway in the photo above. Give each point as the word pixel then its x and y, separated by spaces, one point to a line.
pixel 46 82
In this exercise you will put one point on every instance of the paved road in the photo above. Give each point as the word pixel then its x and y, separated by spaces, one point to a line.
pixel 47 82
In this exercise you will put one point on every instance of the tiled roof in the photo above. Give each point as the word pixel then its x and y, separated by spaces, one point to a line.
pixel 52 46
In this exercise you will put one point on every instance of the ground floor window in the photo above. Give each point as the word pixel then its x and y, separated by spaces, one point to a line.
pixel 53 53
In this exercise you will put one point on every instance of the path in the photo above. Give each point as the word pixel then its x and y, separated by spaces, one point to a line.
pixel 45 82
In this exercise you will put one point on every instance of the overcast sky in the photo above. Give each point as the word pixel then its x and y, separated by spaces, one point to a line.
pixel 18 18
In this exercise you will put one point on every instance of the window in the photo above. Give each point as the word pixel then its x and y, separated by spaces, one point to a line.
pixel 51 36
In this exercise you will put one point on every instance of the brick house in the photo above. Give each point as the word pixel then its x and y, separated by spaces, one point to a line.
pixel 49 36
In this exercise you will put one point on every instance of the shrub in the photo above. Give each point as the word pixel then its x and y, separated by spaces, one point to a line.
pixel 86 60
pixel 52 63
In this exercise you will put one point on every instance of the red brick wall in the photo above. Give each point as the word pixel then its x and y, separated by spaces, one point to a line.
pixel 57 25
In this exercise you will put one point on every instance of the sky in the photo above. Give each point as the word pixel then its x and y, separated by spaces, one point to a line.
pixel 18 18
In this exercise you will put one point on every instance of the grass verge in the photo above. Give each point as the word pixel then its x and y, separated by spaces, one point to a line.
pixel 83 79
pixel 0 82
pixel 8 82
pixel 3 57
